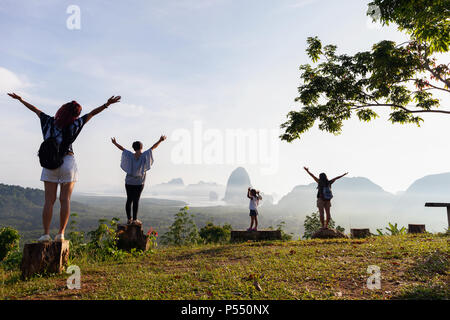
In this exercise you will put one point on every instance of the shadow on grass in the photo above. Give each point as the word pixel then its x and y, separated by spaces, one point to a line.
pixel 432 291
pixel 437 262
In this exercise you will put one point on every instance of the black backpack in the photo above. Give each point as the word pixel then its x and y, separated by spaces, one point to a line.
pixel 51 154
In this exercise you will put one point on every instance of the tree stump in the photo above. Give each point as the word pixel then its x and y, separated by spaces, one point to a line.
pixel 327 234
pixel 416 228
pixel 360 233
pixel 238 236
pixel 132 236
pixel 44 257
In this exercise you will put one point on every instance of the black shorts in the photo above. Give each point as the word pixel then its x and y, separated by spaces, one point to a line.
pixel 253 213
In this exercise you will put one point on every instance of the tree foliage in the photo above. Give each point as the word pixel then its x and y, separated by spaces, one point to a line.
pixel 393 229
pixel 312 224
pixel 211 233
pixel 424 20
pixel 183 230
pixel 9 241
pixel 400 77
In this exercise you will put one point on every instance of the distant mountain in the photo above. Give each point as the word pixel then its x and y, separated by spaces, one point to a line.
pixel 21 208
pixel 410 205
pixel 435 184
pixel 237 187
pixel 175 182
pixel 176 187
pixel 167 188
pixel 204 189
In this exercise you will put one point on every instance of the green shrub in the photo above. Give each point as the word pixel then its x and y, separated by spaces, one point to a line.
pixel 77 238
pixel 183 230
pixel 393 230
pixel 9 241
pixel 211 233
pixel 13 260
pixel 312 224
pixel 103 241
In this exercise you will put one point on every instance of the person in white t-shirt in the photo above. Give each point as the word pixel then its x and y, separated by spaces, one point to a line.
pixel 254 197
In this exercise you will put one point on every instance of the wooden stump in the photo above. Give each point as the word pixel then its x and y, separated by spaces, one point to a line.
pixel 238 236
pixel 44 257
pixel 132 236
pixel 360 233
pixel 416 228
pixel 327 234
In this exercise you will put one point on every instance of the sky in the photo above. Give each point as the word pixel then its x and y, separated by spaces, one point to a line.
pixel 202 72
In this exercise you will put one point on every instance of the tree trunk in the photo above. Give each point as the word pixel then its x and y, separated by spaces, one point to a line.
pixel 44 257
pixel 360 233
pixel 238 236
pixel 132 236
pixel 416 228
pixel 328 234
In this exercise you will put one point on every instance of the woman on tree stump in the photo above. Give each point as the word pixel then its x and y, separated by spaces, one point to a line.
pixel 57 157
pixel 135 165
pixel 324 195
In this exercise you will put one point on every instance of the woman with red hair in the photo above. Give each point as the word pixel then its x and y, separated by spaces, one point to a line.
pixel 64 128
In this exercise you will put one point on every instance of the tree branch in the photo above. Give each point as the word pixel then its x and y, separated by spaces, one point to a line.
pixel 400 107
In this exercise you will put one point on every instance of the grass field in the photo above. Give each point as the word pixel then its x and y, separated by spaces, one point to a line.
pixel 412 267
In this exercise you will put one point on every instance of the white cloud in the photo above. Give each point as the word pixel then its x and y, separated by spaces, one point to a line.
pixel 129 110
pixel 9 81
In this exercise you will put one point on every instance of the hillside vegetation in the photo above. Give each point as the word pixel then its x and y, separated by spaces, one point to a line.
pixel 412 266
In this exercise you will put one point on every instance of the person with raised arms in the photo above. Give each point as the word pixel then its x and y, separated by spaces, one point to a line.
pixel 57 157
pixel 324 195
pixel 135 165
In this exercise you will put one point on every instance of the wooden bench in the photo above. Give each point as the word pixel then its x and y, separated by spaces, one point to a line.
pixel 440 204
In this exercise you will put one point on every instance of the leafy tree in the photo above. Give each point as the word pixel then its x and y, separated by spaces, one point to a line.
pixel 426 21
pixel 211 233
pixel 183 230
pixel 9 241
pixel 312 224
pixel 399 77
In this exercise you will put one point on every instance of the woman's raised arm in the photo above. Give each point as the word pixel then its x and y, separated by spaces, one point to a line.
pixel 113 99
pixel 161 139
pixel 113 140
pixel 312 176
pixel 334 179
pixel 26 104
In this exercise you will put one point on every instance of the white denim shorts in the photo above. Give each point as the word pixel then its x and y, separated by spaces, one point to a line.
pixel 68 172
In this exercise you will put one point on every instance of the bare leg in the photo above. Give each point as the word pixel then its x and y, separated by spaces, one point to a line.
pixel 321 217
pixel 327 210
pixel 252 219
pixel 50 198
pixel 64 198
pixel 256 222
